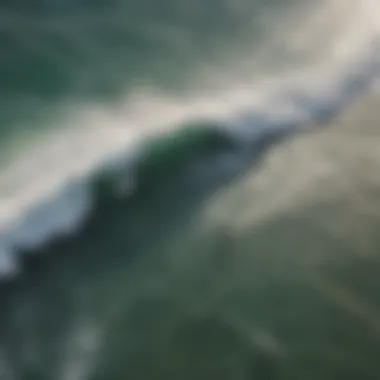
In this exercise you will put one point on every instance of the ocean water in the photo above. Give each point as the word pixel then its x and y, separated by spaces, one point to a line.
pixel 189 190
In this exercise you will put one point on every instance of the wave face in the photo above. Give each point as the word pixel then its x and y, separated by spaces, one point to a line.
pixel 136 135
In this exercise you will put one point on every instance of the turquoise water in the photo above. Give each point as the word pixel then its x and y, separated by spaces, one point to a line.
pixel 189 190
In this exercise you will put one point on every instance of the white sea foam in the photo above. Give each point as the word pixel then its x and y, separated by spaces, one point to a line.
pixel 44 192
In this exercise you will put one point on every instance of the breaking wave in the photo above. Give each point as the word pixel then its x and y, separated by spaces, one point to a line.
pixel 238 134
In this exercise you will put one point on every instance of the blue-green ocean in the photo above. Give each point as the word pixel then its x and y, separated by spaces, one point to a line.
pixel 189 190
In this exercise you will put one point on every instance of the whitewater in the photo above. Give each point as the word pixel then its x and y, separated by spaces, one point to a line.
pixel 193 193
pixel 38 201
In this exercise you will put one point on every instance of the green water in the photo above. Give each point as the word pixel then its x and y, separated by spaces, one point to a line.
pixel 60 54
pixel 267 271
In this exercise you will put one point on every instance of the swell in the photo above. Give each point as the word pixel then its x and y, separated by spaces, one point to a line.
pixel 190 157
